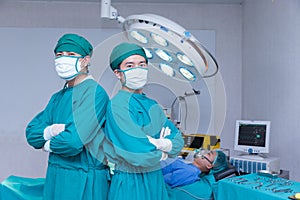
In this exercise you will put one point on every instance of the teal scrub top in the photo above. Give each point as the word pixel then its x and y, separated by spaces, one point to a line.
pixel 73 172
pixel 130 117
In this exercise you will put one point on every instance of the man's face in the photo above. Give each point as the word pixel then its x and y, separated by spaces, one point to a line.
pixel 84 61
pixel 205 162
pixel 130 62
pixel 133 61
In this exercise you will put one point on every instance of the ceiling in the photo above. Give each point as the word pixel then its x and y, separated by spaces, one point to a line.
pixel 151 1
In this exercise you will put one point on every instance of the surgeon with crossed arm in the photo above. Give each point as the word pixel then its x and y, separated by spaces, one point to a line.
pixel 139 135
pixel 73 117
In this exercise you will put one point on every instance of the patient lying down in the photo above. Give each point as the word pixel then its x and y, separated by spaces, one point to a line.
pixel 178 172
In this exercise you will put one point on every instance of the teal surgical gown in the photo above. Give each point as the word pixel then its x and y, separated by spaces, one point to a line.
pixel 73 172
pixel 137 176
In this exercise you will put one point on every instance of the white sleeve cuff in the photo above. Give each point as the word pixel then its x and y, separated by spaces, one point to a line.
pixel 47 146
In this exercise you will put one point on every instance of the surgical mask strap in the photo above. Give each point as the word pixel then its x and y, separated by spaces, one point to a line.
pixel 123 71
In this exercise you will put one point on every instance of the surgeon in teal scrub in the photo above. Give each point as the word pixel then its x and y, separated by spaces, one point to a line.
pixel 73 117
pixel 139 135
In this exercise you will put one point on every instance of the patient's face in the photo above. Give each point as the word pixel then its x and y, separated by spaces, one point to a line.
pixel 211 156
pixel 205 162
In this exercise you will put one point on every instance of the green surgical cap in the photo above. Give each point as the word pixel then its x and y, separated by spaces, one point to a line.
pixel 220 162
pixel 74 43
pixel 123 51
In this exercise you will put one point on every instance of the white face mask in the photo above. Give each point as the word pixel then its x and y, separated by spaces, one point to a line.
pixel 135 78
pixel 67 67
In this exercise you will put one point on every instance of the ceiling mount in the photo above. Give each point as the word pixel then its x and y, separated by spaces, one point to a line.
pixel 107 11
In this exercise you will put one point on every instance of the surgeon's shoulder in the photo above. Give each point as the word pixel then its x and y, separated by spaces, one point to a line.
pixel 146 98
pixel 91 83
pixel 58 93
pixel 121 96
pixel 120 100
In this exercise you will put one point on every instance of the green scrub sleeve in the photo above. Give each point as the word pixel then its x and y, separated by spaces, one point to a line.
pixel 176 139
pixel 130 119
pixel 35 128
pixel 88 119
pixel 131 147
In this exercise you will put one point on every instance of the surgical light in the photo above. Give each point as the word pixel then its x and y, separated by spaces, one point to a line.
pixel 167 69
pixel 184 59
pixel 173 44
pixel 187 74
pixel 148 53
pixel 168 43
pixel 139 37
pixel 159 40
pixel 163 55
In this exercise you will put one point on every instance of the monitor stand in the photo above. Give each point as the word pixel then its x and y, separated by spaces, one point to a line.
pixel 253 156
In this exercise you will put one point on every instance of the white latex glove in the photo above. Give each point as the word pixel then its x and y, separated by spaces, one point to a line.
pixel 165 132
pixel 162 144
pixel 47 146
pixel 164 156
pixel 53 130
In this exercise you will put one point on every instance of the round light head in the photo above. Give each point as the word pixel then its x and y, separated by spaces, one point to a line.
pixel 170 44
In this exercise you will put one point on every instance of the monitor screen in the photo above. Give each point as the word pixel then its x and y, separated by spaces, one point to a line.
pixel 252 136
pixel 197 142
